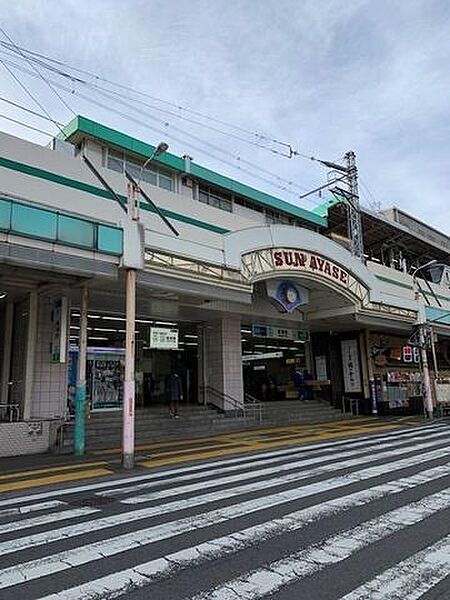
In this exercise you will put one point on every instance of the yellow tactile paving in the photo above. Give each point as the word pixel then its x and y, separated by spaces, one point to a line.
pixel 188 450
pixel 50 469
pixel 24 484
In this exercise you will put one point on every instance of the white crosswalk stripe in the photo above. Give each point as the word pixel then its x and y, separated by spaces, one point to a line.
pixel 378 487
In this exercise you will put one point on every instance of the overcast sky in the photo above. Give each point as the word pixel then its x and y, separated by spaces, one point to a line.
pixel 326 76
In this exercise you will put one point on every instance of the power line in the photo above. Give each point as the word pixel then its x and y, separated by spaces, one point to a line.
pixel 287 146
pixel 28 110
pixel 19 51
pixel 2 116
pixel 164 132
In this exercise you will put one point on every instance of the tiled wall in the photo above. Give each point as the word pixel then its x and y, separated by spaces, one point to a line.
pixel 224 358
pixel 49 396
pixel 17 439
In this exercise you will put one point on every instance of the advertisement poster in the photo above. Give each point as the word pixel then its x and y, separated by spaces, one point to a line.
pixel 321 368
pixel 350 366
pixel 105 376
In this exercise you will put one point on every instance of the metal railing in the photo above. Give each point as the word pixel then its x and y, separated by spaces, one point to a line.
pixel 251 407
pixel 9 412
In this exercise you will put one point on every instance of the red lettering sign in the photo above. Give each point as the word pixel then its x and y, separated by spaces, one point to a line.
pixel 293 259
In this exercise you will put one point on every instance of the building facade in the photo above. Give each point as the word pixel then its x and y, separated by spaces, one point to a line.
pixel 253 296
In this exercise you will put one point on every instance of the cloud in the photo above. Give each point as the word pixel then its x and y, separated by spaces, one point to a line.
pixel 325 76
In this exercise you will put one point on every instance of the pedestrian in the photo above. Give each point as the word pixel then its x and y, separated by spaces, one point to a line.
pixel 174 393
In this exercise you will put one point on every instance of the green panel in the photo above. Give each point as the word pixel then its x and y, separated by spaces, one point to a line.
pixel 76 231
pixel 35 222
pixel 115 138
pixel 5 214
pixel 109 239
pixel 437 315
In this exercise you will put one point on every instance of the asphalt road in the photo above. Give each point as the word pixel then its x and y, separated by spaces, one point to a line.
pixel 363 518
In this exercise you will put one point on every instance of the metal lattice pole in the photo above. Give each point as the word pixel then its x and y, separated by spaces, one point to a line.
pixel 355 233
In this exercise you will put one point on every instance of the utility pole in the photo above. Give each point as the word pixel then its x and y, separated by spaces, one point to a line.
pixel 354 224
pixel 351 198
pixel 130 342
pixel 80 393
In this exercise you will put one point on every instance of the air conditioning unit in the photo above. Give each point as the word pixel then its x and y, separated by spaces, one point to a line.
pixel 187 181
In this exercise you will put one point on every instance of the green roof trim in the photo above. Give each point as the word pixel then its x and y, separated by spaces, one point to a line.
pixel 322 209
pixel 125 142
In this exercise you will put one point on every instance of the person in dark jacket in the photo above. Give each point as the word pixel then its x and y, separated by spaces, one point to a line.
pixel 174 393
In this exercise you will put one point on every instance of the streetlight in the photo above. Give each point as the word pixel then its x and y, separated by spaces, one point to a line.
pixel 160 149
pixel 128 414
pixel 426 371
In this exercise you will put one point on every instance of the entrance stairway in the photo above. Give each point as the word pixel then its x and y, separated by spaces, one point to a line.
pixel 103 430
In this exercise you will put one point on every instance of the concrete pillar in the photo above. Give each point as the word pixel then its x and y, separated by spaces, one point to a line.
pixel 223 370
pixel 6 355
pixel 30 354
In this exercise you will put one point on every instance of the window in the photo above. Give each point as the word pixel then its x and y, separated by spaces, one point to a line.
pixel 248 204
pixel 215 198
pixel 115 160
pixel 118 161
pixel 276 218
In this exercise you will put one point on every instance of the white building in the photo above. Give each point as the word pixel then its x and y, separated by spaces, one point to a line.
pixel 253 287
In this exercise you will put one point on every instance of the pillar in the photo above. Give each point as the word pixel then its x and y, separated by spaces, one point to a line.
pixel 222 350
pixel 30 354
pixel 6 355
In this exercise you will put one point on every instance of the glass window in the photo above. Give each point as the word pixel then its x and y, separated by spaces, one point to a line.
pixel 150 176
pixel 134 169
pixel 115 160
pixel 75 231
pixel 109 239
pixel 165 182
pixel 33 221
pixel 5 214
pixel 215 198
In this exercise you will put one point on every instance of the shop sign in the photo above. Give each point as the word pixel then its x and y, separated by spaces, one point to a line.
pixel 350 366
pixel 286 294
pixel 162 338
pixel 297 260
pixel 280 333
pixel 411 354
pixel 59 324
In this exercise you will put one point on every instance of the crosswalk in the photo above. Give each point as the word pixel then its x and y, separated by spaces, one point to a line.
pixel 357 519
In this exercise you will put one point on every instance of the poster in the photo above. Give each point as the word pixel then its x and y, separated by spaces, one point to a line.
pixel 350 366
pixel 321 368
pixel 59 325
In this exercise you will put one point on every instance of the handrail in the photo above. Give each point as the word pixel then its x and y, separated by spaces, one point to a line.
pixel 211 391
pixel 255 405
pixel 252 407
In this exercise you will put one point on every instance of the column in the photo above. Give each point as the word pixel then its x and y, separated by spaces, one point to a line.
pixel 6 355
pixel 223 370
pixel 30 354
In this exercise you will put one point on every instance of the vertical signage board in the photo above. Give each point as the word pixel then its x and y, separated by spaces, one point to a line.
pixel 351 366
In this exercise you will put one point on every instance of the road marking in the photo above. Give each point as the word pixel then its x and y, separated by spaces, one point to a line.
pixel 238 459
pixel 44 519
pixel 292 569
pixel 411 578
pixel 22 510
pixel 41 481
pixel 97 550
pixel 255 472
pixel 290 477
pixel 143 574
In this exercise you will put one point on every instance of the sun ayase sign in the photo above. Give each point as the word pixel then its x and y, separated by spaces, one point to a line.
pixel 300 260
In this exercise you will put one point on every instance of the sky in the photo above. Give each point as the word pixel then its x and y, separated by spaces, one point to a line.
pixel 324 76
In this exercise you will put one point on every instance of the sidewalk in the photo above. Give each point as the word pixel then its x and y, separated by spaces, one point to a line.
pixel 25 472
